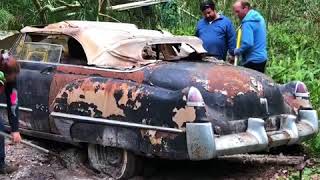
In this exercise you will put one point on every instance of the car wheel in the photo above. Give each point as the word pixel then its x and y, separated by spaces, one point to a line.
pixel 115 162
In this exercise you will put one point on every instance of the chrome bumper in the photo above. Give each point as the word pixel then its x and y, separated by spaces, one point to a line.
pixel 202 144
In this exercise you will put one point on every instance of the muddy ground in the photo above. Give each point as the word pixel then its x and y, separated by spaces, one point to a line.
pixel 40 166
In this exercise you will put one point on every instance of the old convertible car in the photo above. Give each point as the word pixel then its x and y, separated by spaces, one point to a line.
pixel 124 91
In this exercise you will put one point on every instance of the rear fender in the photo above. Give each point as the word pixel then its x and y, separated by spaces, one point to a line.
pixel 124 101
pixel 292 102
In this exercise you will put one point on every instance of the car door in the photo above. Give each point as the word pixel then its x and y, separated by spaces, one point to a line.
pixel 38 62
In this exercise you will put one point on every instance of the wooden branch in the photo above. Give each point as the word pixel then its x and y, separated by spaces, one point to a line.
pixel 102 8
pixel 265 159
pixel 188 13
pixel 65 7
pixel 43 15
pixel 71 14
pixel 76 3
pixel 105 15
pixel 138 4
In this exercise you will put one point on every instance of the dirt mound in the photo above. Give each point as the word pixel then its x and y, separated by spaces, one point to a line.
pixel 37 165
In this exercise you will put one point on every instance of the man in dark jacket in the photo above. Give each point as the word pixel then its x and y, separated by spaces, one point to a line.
pixel 216 31
pixel 253 48
pixel 9 69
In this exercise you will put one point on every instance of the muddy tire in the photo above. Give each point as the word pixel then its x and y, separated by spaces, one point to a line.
pixel 115 162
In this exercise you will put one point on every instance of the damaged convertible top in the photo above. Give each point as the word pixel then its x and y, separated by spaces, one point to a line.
pixel 119 45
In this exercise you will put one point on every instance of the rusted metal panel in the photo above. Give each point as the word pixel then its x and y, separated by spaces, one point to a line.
pixel 296 103
pixel 220 108
pixel 238 82
pixel 127 101
pixel 58 82
pixel 137 76
pixel 227 97
pixel 147 142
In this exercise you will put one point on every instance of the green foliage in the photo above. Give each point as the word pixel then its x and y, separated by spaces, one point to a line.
pixel 22 11
pixel 294 56
pixel 306 174
pixel 5 19
pixel 300 65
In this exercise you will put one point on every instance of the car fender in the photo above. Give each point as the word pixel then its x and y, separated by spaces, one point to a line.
pixel 156 116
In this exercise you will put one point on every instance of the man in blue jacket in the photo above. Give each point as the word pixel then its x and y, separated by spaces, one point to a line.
pixel 216 31
pixel 253 48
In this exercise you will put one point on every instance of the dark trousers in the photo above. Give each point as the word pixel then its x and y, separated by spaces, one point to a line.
pixel 2 150
pixel 256 66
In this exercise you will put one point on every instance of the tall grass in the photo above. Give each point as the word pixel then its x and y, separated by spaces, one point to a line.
pixel 295 56
pixel 6 19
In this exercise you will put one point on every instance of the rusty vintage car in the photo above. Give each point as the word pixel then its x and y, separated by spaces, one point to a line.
pixel 125 91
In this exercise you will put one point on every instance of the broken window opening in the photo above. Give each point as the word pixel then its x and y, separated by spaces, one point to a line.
pixel 45 48
pixel 169 52
pixel 76 54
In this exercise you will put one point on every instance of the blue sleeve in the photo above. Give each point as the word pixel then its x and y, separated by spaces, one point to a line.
pixel 247 38
pixel 231 38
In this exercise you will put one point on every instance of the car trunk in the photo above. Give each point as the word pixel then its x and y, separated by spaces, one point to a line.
pixel 231 94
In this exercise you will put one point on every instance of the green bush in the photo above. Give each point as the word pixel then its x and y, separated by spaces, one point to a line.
pixel 5 19
pixel 294 56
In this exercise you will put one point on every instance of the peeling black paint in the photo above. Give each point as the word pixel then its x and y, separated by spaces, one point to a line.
pixel 97 88
pixel 83 109
pixel 118 95
pixel 161 93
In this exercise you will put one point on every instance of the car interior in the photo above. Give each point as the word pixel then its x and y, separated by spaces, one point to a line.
pixel 168 52
pixel 52 48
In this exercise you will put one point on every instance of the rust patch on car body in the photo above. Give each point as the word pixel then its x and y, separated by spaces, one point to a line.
pixel 108 98
pixel 183 115
pixel 296 103
pixel 136 76
pixel 231 82
pixel 58 82
pixel 157 137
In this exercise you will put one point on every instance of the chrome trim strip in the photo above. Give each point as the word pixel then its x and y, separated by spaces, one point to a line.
pixel 2 105
pixel 88 67
pixel 113 122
